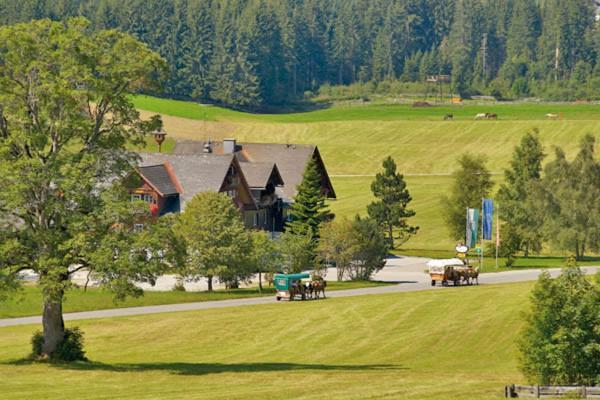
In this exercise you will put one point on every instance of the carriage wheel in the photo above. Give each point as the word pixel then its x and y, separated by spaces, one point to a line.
pixel 278 298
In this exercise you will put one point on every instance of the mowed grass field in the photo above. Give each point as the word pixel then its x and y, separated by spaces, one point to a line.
pixel 442 344
pixel 28 301
pixel 354 139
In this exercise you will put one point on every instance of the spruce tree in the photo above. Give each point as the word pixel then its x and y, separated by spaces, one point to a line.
pixel 515 195
pixel 390 209
pixel 309 209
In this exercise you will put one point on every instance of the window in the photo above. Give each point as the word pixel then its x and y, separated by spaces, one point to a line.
pixel 148 198
pixel 232 193
pixel 138 227
pixel 136 197
pixel 256 219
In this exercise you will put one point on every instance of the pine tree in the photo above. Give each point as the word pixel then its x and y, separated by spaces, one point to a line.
pixel 308 210
pixel 390 209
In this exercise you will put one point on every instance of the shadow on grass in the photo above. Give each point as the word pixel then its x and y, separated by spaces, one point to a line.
pixel 183 368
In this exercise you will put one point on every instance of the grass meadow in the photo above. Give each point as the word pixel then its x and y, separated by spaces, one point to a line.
pixel 443 344
pixel 354 139
pixel 28 301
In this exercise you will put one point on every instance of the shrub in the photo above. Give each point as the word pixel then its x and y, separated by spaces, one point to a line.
pixel 70 349
pixel 560 342
pixel 179 287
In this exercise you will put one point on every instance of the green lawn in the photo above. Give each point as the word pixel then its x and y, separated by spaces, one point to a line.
pixel 443 344
pixel 29 301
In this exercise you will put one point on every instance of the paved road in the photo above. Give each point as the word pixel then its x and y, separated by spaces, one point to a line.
pixel 403 286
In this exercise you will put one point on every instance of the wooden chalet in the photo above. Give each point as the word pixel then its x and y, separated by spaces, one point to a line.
pixel 260 178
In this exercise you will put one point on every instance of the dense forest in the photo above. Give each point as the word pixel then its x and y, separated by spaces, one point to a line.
pixel 259 53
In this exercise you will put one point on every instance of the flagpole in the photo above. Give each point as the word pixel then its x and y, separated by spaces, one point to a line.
pixel 482 218
pixel 497 232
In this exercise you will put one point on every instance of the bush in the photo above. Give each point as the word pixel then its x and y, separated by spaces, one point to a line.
pixel 70 349
pixel 560 342
pixel 179 286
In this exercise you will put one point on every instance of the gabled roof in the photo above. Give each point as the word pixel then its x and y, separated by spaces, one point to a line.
pixel 196 173
pixel 159 178
pixel 258 175
pixel 291 160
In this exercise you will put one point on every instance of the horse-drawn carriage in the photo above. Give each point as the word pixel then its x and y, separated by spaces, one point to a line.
pixel 453 270
pixel 292 286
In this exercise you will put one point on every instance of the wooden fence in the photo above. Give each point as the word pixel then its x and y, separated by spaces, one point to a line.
pixel 540 392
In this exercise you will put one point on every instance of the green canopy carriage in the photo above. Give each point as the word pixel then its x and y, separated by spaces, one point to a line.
pixel 289 286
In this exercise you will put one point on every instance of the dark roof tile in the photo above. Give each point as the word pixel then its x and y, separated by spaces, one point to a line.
pixel 196 173
pixel 159 177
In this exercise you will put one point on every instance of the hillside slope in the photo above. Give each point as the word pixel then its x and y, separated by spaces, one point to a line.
pixel 354 140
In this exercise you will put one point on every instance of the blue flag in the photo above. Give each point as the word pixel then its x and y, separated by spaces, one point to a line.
pixel 488 218
pixel 472 222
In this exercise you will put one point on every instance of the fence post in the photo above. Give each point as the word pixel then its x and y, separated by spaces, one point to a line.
pixel 584 392
pixel 536 391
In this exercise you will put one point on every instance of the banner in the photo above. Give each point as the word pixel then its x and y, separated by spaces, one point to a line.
pixel 472 226
pixel 488 218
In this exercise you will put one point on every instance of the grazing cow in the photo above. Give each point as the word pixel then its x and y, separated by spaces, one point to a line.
pixel 486 116
pixel 448 117
pixel 552 116
pixel 319 287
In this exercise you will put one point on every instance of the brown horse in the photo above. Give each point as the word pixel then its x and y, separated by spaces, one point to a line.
pixel 297 289
pixel 319 287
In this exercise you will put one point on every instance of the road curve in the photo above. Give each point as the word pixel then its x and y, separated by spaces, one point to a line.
pixel 408 286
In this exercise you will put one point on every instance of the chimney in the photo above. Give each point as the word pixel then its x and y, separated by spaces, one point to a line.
pixel 228 146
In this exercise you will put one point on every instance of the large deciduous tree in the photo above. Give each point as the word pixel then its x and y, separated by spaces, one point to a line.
pixel 472 182
pixel 216 240
pixel 65 121
pixel 390 209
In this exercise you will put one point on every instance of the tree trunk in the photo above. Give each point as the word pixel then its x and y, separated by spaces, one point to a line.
pixel 210 286
pixel 391 233
pixel 260 288
pixel 54 326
